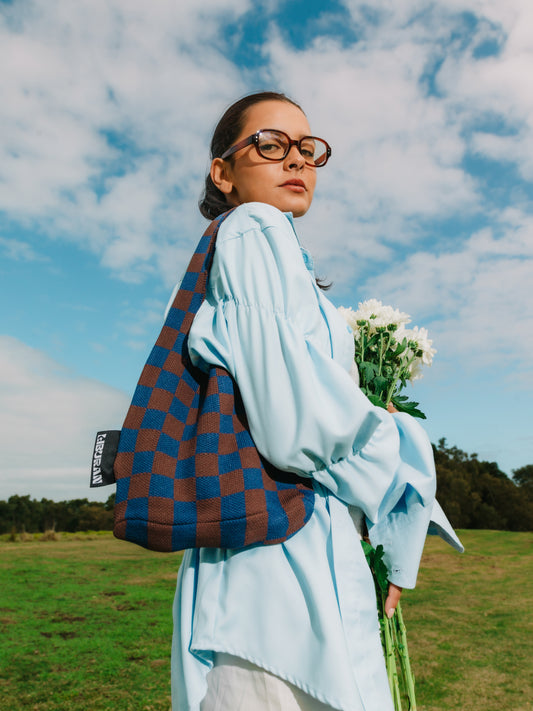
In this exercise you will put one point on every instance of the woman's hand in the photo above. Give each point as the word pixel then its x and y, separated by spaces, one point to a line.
pixel 393 598
pixel 391 408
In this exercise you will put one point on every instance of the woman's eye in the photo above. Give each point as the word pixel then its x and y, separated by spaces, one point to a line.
pixel 307 150
pixel 270 147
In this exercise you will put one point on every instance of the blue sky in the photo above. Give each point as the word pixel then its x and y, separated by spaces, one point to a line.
pixel 106 111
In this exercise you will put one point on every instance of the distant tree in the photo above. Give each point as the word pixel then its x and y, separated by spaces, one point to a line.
pixel 20 513
pixel 94 517
pixel 523 478
pixel 477 494
pixel 23 514
pixel 69 514
pixel 50 514
pixel 5 517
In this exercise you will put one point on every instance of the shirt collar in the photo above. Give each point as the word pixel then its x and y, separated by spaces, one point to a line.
pixel 308 259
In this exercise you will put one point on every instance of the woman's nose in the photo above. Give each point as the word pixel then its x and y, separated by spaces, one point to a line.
pixel 294 158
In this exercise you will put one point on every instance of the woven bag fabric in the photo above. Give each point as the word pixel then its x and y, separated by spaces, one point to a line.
pixel 187 471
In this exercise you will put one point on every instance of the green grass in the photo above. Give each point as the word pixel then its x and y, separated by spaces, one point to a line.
pixel 85 625
pixel 470 624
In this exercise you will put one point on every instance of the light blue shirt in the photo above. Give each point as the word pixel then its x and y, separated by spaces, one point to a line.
pixel 305 609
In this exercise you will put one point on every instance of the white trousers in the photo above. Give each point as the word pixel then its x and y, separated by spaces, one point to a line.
pixel 234 684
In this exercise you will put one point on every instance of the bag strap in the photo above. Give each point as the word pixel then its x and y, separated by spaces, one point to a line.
pixel 185 305
pixel 193 287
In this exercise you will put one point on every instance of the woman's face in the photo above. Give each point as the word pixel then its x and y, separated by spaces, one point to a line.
pixel 288 184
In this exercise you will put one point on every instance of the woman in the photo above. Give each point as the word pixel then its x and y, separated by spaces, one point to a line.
pixel 293 625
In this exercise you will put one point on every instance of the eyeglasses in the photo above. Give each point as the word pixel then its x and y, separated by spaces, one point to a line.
pixel 275 145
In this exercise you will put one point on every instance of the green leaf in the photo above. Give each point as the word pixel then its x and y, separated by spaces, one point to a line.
pixel 374 557
pixel 367 372
pixel 401 403
pixel 399 398
pixel 375 400
pixel 380 383
pixel 368 549
pixel 401 347
pixel 373 340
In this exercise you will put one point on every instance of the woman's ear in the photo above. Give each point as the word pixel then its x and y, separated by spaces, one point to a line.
pixel 221 175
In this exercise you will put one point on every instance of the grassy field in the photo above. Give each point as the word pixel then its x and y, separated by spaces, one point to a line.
pixel 470 624
pixel 85 625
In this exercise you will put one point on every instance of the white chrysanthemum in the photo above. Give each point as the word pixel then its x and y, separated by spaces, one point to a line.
pixel 415 370
pixel 349 316
pixel 366 309
pixel 420 335
pixel 376 314
pixel 402 332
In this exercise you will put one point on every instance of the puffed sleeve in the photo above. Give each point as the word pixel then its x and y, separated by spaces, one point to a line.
pixel 262 320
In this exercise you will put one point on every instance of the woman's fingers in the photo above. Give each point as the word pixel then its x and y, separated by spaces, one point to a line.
pixel 393 598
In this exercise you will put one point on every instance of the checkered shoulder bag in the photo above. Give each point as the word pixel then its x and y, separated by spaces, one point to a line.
pixel 187 471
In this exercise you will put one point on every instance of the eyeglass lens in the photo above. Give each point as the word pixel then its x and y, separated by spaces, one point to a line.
pixel 275 146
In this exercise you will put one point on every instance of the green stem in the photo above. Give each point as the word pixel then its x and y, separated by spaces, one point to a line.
pixel 384 340
pixel 391 391
pixel 394 384
pixel 393 635
pixel 405 664
pixel 390 659
pixel 381 350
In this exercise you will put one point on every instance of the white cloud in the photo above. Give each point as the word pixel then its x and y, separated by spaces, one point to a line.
pixel 107 108
pixel 104 119
pixel 498 85
pixel 397 156
pixel 50 418
pixel 19 250
pixel 377 87
pixel 475 298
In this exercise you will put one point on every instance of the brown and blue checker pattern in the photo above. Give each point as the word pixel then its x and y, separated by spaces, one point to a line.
pixel 188 473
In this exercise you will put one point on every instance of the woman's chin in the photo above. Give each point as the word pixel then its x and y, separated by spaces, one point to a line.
pixel 298 205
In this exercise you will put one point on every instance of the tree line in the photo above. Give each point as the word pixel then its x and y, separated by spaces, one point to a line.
pixel 473 493
pixel 22 514
pixel 476 494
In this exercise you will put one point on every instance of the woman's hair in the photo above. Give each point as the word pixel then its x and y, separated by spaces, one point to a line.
pixel 213 201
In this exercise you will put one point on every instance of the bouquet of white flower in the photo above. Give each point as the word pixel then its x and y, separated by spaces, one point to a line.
pixel 387 354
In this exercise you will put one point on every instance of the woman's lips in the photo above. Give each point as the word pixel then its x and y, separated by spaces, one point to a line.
pixel 297 186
